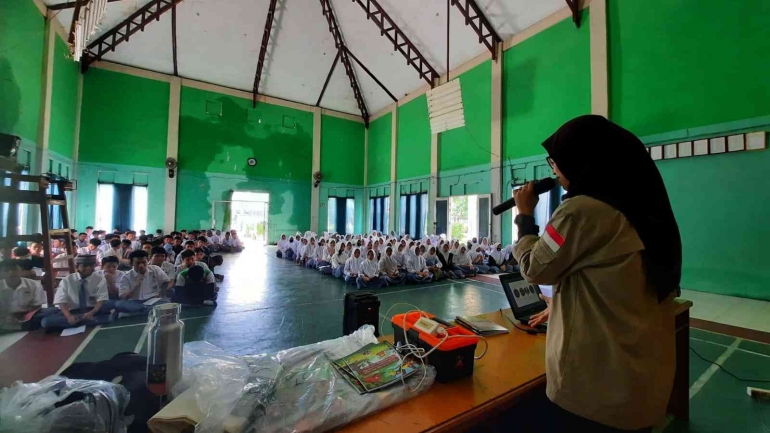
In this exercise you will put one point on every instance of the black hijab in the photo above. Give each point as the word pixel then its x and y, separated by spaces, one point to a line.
pixel 606 162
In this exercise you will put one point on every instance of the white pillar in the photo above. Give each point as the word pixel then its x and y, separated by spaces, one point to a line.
pixel 393 154
pixel 315 192
pixel 44 125
pixel 433 187
pixel 172 151
pixel 495 179
pixel 75 151
pixel 365 195
pixel 598 35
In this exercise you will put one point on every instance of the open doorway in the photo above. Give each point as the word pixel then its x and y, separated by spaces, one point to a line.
pixel 463 217
pixel 249 213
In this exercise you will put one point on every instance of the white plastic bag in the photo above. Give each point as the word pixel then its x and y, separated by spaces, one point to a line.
pixel 31 407
pixel 295 390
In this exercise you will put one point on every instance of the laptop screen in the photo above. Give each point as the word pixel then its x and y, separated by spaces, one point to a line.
pixel 523 296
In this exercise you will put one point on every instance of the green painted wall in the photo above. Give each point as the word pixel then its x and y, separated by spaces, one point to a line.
pixel 124 119
pixel 289 207
pixel 342 150
pixel 64 101
pixel 413 151
pixel 214 148
pixel 471 145
pixel 22 31
pixel 718 203
pixel 378 165
pixel 280 138
pixel 687 64
pixel 546 81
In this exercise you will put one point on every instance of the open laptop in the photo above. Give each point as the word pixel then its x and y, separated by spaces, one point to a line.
pixel 524 297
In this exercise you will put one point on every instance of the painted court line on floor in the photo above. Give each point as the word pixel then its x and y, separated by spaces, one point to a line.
pixel 8 340
pixel 482 288
pixel 145 324
pixel 77 351
pixel 725 345
pixel 698 385
pixel 142 338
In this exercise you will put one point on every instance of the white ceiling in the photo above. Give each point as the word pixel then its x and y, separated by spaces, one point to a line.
pixel 218 42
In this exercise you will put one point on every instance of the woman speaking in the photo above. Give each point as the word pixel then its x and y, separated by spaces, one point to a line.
pixel 613 254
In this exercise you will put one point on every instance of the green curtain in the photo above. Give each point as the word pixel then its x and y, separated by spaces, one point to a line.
pixel 228 211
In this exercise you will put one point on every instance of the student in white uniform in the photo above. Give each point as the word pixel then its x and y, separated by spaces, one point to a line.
pixel 463 263
pixel 189 259
pixel 369 275
pixel 188 246
pixel 417 270
pixel 82 298
pixel 21 300
pixel 112 275
pixel 282 244
pixel 338 261
pixel 433 263
pixel 81 241
pixel 389 268
pixel 91 248
pixel 309 255
pixel 143 282
pixel 353 267
pixel 158 258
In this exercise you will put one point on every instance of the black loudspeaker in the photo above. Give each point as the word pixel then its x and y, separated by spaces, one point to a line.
pixel 361 308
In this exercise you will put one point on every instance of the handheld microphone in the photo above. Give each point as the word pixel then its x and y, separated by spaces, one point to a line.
pixel 541 186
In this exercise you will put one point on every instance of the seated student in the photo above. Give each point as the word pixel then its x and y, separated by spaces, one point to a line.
pixel 168 243
pixel 389 268
pixel 188 246
pixel 477 259
pixel 227 243
pixel 236 244
pixel 189 260
pixel 82 298
pixel 215 261
pixel 158 258
pixel 291 248
pixel 200 257
pixel 21 299
pixel 496 259
pixel 27 262
pixel 281 244
pixel 81 241
pixel 91 248
pixel 433 263
pixel 134 243
pixel 369 276
pixel 216 239
pixel 400 257
pixel 147 247
pixel 203 243
pixel 195 286
pixel 338 262
pixel 177 246
pixel 57 247
pixel 324 256
pixel 445 257
pixel 299 257
pixel 36 249
pixel 310 254
pixel 126 247
pixel 112 275
pixel 417 270
pixel 463 263
pixel 143 282
pixel 353 267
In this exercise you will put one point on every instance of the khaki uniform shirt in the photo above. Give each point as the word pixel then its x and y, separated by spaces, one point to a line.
pixel 610 343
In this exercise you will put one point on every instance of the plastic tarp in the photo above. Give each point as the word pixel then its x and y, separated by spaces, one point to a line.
pixel 295 390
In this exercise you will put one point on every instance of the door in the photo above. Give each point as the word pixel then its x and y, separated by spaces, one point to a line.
pixel 442 214
pixel 484 212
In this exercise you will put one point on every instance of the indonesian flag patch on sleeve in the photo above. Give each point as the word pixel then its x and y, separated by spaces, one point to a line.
pixel 553 238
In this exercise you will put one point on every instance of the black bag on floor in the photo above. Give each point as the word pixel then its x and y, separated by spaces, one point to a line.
pixel 132 368
pixel 361 308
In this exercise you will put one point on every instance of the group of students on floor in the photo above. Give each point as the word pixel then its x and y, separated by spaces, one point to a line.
pixel 377 260
pixel 117 275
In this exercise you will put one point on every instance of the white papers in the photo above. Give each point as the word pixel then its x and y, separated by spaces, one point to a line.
pixel 73 331
pixel 151 301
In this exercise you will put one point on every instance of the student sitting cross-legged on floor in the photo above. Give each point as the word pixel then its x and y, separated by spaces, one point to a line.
pixel 112 275
pixel 82 298
pixel 21 299
pixel 369 275
pixel 417 270
pixel 433 263
pixel 338 261
pixel 463 263
pixel 143 282
pixel 389 268
pixel 158 258
pixel 195 286
pixel 353 267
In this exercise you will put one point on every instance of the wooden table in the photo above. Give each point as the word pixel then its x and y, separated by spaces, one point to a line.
pixel 512 370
